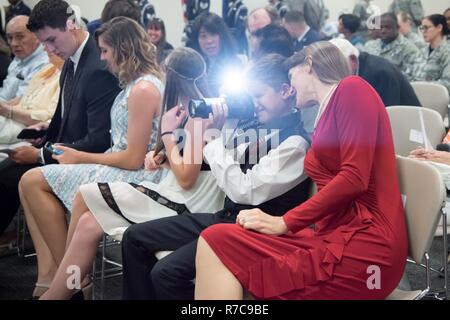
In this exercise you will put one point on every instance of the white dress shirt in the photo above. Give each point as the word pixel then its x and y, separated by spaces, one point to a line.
pixel 275 174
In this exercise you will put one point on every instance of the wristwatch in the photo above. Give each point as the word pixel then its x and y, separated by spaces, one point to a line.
pixel 40 158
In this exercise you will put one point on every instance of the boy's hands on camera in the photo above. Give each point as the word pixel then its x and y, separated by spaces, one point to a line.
pixel 218 116
pixel 172 119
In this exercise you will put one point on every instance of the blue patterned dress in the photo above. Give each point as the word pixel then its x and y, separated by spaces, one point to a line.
pixel 66 179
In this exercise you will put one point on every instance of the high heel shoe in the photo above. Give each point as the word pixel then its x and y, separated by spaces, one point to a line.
pixel 39 290
pixel 86 293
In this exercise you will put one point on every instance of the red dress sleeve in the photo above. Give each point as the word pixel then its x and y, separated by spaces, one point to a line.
pixel 355 108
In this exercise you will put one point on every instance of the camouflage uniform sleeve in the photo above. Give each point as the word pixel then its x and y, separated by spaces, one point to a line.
pixel 413 62
pixel 445 79
pixel 417 12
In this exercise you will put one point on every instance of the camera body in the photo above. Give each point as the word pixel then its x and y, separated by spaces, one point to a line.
pixel 239 107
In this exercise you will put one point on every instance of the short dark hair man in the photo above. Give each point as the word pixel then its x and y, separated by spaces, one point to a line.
pixel 300 31
pixel 82 116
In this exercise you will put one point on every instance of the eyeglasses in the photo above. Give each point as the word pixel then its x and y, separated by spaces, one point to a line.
pixel 424 28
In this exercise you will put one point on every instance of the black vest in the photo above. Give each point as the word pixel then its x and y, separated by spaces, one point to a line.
pixel 285 127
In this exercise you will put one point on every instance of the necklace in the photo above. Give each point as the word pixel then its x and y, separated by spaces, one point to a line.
pixel 324 104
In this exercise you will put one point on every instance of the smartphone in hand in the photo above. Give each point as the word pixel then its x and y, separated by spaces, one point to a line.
pixel 49 147
pixel 31 134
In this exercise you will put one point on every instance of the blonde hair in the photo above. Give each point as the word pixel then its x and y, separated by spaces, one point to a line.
pixel 134 54
pixel 326 60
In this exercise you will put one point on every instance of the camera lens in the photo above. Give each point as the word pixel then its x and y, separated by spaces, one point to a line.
pixel 199 109
pixel 239 107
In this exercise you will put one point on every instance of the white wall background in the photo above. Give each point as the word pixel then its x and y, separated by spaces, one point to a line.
pixel 171 12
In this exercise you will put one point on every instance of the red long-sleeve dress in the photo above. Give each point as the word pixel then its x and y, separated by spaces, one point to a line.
pixel 357 248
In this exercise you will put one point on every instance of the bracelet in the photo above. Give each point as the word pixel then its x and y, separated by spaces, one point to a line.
pixel 166 133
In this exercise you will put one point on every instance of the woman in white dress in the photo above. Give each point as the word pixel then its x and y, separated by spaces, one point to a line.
pixel 47 191
pixel 188 187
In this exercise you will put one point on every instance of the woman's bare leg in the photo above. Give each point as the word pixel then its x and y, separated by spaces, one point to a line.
pixel 48 213
pixel 79 256
pixel 79 208
pixel 46 264
pixel 213 280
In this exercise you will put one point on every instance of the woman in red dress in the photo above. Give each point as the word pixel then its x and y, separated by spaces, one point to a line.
pixel 349 240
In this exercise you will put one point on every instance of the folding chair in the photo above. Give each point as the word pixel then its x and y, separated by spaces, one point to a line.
pixel 424 198
pixel 414 127
pixel 433 96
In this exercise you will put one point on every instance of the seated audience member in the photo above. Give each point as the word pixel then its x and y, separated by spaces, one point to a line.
pixel 302 34
pixel 214 42
pixel 16 8
pixel 45 192
pixel 437 53
pixel 314 11
pixel 412 7
pixel 266 172
pixel 188 187
pixel 113 9
pixel 156 29
pixel 405 28
pixel 348 26
pixel 357 213
pixel 30 57
pixel 257 19
pixel 5 59
pixel 398 50
pixel 273 39
pixel 37 104
pixel 392 86
pixel 82 116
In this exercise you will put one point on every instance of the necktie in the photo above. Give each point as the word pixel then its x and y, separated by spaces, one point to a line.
pixel 68 83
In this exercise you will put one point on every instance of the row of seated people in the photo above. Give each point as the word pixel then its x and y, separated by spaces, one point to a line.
pixel 234 213
pixel 30 59
pixel 429 62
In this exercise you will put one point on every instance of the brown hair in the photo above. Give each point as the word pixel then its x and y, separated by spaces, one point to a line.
pixel 327 61
pixel 186 76
pixel 134 54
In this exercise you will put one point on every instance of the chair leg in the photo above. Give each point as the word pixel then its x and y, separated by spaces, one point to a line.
pixel 102 273
pixel 18 229
pixel 446 256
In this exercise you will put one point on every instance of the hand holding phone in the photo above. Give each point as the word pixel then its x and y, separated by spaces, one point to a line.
pixel 31 134
pixel 49 147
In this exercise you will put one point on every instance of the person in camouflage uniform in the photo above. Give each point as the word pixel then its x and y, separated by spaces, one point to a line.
pixel 405 22
pixel 397 49
pixel 413 7
pixel 437 54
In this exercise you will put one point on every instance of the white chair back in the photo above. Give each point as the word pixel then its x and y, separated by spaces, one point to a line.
pixel 433 96
pixel 414 127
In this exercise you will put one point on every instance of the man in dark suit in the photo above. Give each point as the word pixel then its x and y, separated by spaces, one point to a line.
pixel 390 83
pixel 82 117
pixel 294 22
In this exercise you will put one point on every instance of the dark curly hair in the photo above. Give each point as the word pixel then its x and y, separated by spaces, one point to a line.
pixel 49 13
